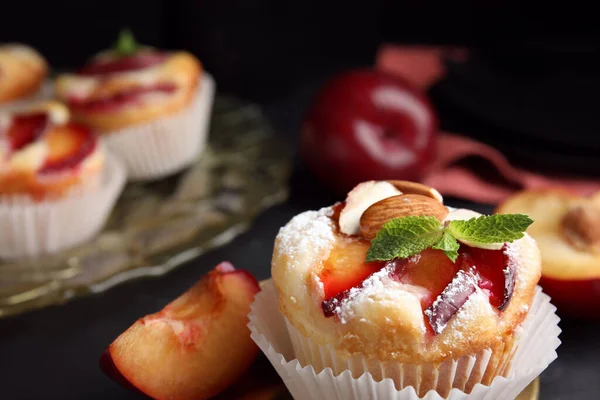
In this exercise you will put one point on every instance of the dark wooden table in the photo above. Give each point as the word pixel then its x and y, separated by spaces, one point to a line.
pixel 53 352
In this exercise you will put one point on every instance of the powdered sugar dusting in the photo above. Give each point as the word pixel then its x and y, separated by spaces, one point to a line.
pixel 451 300
pixel 376 283
pixel 513 257
pixel 309 231
pixel 467 316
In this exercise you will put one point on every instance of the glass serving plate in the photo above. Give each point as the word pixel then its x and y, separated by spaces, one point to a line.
pixel 157 226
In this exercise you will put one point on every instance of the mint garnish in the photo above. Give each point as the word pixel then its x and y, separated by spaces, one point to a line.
pixel 126 44
pixel 491 229
pixel 448 245
pixel 404 237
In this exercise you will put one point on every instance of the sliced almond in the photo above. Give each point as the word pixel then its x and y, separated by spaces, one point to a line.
pixel 359 199
pixel 408 187
pixel 404 205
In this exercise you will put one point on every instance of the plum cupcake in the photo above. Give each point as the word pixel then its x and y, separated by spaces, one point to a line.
pixel 57 184
pixel 391 294
pixel 151 107
pixel 22 75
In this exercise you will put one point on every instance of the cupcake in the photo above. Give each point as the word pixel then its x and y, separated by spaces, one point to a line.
pixel 57 185
pixel 22 74
pixel 395 291
pixel 151 107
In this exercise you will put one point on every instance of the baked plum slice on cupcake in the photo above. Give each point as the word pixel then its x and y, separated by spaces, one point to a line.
pixel 195 347
pixel 104 63
pixel 443 283
pixel 44 155
pixel 393 277
pixel 151 107
pixel 22 72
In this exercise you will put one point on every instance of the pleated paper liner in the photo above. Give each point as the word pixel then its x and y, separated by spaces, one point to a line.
pixel 33 228
pixel 169 144
pixel 312 371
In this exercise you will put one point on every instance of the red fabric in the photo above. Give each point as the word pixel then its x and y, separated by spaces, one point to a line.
pixel 423 66
pixel 451 178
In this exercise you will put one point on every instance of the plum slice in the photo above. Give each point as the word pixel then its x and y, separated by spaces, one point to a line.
pixel 448 284
pixel 123 64
pixel 496 270
pixel 431 269
pixel 454 296
pixel 346 268
pixel 120 99
pixel 195 347
pixel 68 145
pixel 26 128
pixel 492 271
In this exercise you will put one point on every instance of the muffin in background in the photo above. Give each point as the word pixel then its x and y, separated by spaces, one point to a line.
pixel 22 73
pixel 45 156
pixel 150 106
pixel 57 183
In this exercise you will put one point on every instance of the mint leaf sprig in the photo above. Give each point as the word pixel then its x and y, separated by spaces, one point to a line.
pixel 404 237
pixel 126 44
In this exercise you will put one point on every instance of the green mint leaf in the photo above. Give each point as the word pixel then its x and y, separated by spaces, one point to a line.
pixel 498 228
pixel 126 44
pixel 448 245
pixel 404 237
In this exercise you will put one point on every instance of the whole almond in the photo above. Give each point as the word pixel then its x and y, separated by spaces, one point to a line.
pixel 408 187
pixel 404 205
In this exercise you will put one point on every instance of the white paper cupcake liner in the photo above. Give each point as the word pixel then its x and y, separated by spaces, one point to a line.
pixel 536 349
pixel 34 228
pixel 162 147
pixel 46 92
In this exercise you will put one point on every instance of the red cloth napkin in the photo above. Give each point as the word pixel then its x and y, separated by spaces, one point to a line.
pixel 423 66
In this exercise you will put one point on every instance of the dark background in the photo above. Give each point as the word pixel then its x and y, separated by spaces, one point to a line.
pixel 529 88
